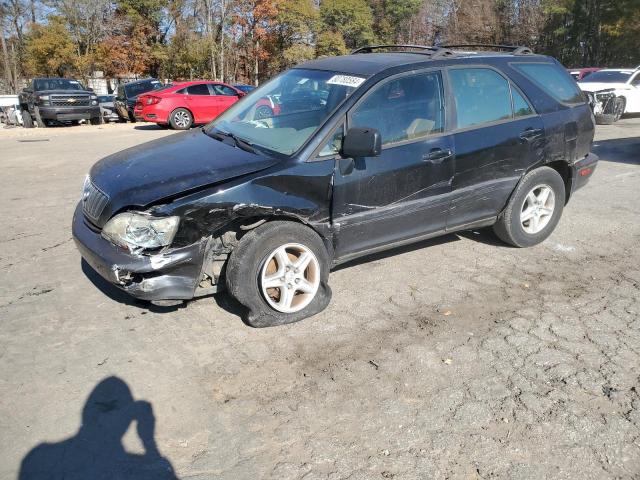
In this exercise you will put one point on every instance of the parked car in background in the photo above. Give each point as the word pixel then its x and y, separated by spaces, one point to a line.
pixel 108 108
pixel 579 73
pixel 244 87
pixel 186 104
pixel 127 96
pixel 60 100
pixel 612 93
pixel 10 114
pixel 388 149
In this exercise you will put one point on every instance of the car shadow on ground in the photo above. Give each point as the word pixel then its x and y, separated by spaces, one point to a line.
pixel 483 235
pixel 149 126
pixel 620 150
pixel 96 450
pixel 114 293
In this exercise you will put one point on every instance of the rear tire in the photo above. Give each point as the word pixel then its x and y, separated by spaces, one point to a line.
pixel 255 261
pixel 534 209
pixel 181 119
pixel 26 119
pixel 97 120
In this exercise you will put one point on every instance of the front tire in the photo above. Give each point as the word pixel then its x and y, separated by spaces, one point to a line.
pixel 181 119
pixel 534 209
pixel 279 272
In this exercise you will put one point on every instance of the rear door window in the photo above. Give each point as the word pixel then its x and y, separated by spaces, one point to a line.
pixel 199 89
pixel 521 108
pixel 553 80
pixel 481 96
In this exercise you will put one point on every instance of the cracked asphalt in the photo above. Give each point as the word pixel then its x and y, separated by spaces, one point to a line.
pixel 456 358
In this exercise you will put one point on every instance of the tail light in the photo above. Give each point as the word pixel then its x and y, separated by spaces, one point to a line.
pixel 151 100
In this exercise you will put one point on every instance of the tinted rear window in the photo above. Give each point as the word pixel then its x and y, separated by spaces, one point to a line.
pixel 553 80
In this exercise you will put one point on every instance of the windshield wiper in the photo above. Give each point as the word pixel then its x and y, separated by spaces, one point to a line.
pixel 240 143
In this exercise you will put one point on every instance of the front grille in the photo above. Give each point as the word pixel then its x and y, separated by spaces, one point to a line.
pixel 93 201
pixel 70 100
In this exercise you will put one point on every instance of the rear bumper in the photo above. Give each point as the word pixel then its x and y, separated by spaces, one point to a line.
pixel 62 114
pixel 582 170
pixel 171 275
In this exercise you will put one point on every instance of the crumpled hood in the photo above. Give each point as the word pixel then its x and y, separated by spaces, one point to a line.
pixel 168 166
pixel 597 86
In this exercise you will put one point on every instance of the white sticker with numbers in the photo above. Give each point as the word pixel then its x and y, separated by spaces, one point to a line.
pixel 346 80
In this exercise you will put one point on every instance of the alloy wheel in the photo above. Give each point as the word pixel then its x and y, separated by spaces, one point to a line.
pixel 537 209
pixel 181 119
pixel 290 277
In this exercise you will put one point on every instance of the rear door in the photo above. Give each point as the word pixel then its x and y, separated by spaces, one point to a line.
pixel 403 193
pixel 497 137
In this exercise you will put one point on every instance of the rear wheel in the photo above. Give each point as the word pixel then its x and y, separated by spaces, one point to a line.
pixel 534 209
pixel 263 112
pixel 96 120
pixel 279 272
pixel 181 119
pixel 26 119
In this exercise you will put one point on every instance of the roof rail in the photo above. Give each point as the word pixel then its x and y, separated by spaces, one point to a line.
pixel 433 52
pixel 517 50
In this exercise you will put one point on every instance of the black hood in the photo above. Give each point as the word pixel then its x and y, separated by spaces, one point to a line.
pixel 169 166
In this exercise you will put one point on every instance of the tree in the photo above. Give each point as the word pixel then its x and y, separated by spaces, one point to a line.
pixel 50 50
pixel 124 54
pixel 351 18
pixel 330 43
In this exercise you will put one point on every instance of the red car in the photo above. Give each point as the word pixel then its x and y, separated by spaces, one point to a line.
pixel 185 104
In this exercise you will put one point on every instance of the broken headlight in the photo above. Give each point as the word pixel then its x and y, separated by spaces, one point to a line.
pixel 140 231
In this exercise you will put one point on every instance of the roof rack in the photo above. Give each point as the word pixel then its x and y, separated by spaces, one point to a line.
pixel 432 52
pixel 515 49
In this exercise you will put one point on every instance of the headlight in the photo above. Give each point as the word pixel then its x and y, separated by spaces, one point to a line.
pixel 138 230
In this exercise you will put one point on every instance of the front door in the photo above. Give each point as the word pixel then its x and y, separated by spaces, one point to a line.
pixel 223 97
pixel 403 193
pixel 497 137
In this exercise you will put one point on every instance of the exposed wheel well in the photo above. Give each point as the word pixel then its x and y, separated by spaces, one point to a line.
pixel 563 169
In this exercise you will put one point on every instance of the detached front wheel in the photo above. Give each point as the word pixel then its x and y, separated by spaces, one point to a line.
pixel 279 272
pixel 534 210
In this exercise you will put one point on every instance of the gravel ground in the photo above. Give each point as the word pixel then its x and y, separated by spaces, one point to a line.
pixel 455 358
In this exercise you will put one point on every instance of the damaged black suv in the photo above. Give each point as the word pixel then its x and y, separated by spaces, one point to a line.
pixel 336 159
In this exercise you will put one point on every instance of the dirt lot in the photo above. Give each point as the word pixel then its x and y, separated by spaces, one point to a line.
pixel 456 358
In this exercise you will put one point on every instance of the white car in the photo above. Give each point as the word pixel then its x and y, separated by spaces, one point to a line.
pixel 613 92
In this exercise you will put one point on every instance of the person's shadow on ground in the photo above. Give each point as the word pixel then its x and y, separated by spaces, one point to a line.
pixel 96 451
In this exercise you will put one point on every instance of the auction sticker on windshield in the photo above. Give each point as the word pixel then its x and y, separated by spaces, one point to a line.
pixel 346 80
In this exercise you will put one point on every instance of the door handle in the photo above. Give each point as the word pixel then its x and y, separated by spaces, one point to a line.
pixel 437 155
pixel 530 134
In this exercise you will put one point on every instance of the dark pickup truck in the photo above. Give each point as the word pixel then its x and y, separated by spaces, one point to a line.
pixel 58 100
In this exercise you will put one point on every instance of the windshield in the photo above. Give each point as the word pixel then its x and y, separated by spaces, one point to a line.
pixel 138 88
pixel 282 114
pixel 56 84
pixel 604 76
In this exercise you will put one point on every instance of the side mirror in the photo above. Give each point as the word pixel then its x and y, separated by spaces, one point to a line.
pixel 362 142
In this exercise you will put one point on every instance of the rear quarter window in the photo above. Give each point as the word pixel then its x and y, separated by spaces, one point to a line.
pixel 553 80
